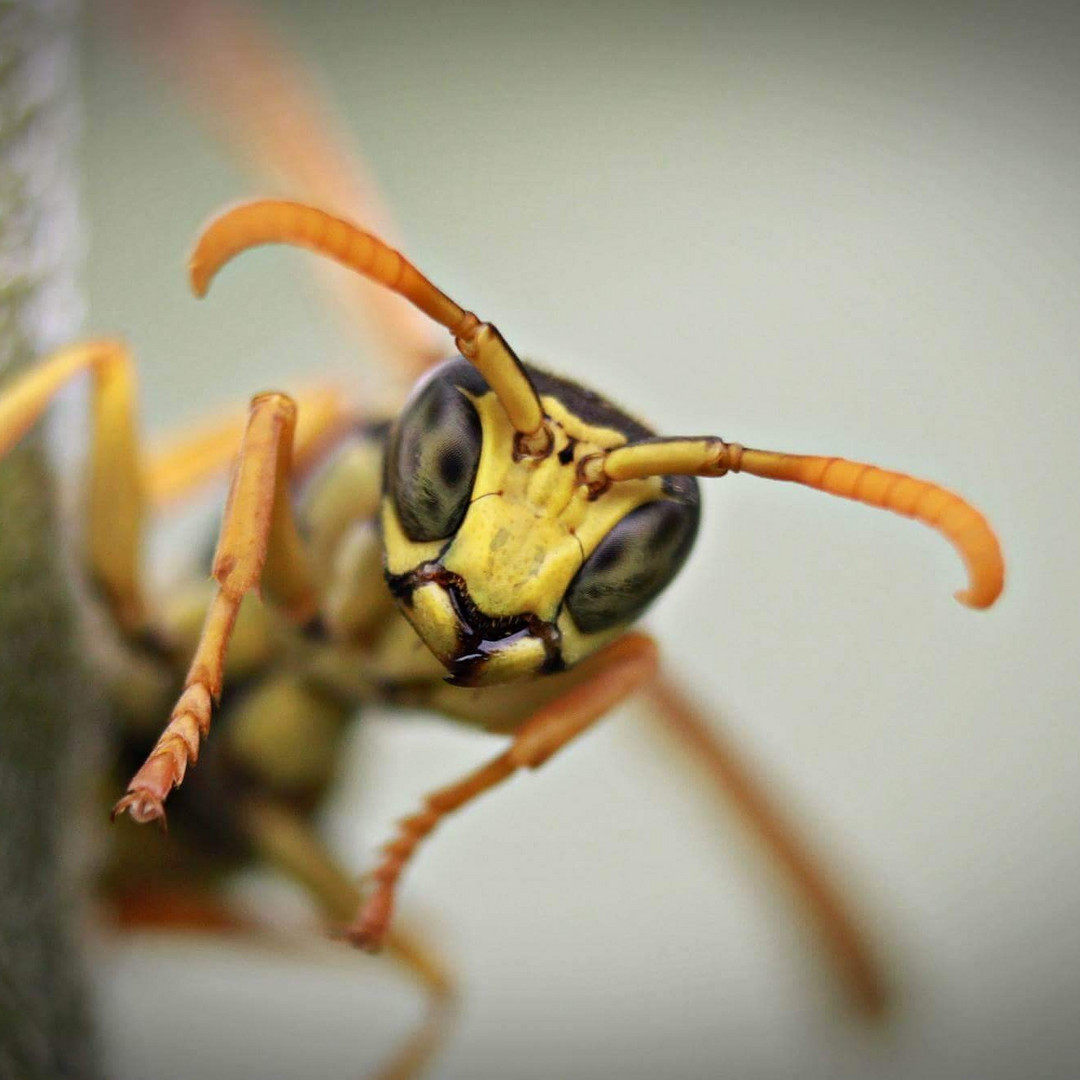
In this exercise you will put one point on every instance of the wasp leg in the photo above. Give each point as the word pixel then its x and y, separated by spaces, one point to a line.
pixel 618 671
pixel 287 842
pixel 184 463
pixel 206 912
pixel 839 930
pixel 123 477
pixel 116 502
pixel 258 545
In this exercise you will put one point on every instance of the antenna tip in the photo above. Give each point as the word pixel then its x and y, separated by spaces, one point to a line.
pixel 198 276
pixel 981 594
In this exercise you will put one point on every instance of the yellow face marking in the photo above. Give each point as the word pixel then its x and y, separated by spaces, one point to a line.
pixel 432 610
pixel 522 656
pixel 575 645
pixel 403 554
pixel 531 524
pixel 600 437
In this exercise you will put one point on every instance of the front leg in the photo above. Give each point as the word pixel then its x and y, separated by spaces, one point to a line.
pixel 619 670
pixel 258 545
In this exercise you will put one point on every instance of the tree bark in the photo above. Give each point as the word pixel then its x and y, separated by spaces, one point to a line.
pixel 45 1027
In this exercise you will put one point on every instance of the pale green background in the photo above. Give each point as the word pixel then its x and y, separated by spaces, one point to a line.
pixel 850 230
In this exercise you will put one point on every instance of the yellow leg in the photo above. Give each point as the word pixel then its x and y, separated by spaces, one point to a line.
pixel 115 493
pixel 258 545
pixel 182 464
pixel 121 477
pixel 839 931
pixel 621 668
pixel 287 842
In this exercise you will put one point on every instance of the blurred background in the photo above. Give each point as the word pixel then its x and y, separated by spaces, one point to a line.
pixel 846 229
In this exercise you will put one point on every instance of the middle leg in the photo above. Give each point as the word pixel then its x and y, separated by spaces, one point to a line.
pixel 288 843
pixel 614 674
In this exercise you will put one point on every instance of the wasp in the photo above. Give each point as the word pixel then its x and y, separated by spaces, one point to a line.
pixel 484 555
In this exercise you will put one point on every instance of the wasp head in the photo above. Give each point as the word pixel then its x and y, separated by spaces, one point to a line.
pixel 507 563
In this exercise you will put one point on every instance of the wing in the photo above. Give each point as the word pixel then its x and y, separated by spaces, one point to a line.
pixel 270 114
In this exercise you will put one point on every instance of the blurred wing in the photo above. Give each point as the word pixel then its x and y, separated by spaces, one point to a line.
pixel 268 112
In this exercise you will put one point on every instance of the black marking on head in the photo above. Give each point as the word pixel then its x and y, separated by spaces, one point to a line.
pixel 596 410
pixel 480 635
pixel 587 404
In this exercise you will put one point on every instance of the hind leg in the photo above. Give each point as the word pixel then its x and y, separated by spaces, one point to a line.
pixel 836 926
pixel 205 912
pixel 287 842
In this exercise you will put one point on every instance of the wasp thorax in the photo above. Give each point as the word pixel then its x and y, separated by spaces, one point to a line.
pixel 508 565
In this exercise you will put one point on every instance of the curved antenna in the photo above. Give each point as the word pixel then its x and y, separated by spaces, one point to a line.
pixel 281 221
pixel 959 522
pixel 248 88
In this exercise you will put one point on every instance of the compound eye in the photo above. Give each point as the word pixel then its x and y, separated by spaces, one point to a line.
pixel 632 565
pixel 431 466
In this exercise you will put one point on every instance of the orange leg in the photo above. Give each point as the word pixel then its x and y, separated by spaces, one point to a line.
pixel 621 668
pixel 839 931
pixel 258 545
pixel 288 843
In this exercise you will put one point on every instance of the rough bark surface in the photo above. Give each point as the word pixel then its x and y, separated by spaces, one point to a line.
pixel 45 1029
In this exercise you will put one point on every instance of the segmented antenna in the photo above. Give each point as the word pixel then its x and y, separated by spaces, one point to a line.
pixel 281 221
pixel 958 521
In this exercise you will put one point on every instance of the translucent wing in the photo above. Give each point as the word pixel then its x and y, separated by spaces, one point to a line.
pixel 271 116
